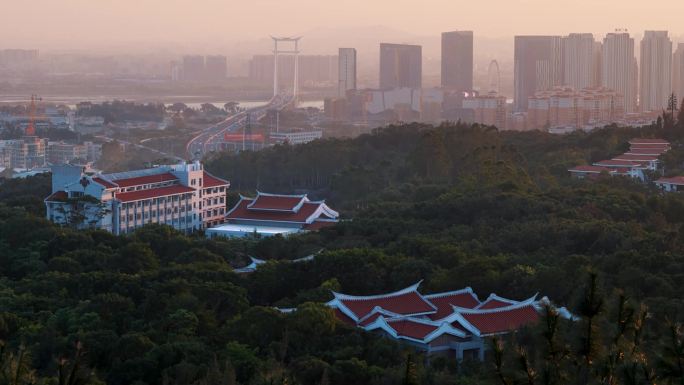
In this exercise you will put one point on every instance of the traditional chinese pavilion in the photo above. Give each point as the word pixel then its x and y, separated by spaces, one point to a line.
pixel 271 214
pixel 454 323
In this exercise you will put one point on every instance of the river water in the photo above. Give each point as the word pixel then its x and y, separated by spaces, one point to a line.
pixel 71 101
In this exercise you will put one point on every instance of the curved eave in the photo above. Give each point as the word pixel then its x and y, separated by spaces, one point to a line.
pixel 527 302
pixel 406 290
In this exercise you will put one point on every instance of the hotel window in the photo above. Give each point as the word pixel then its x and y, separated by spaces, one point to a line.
pixel 221 200
pixel 137 216
pixel 192 182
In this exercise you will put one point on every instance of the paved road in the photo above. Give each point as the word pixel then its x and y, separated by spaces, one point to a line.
pixel 209 139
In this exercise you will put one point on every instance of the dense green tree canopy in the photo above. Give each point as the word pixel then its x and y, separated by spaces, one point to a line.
pixel 454 206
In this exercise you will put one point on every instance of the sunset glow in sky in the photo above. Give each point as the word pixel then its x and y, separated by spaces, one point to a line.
pixel 85 23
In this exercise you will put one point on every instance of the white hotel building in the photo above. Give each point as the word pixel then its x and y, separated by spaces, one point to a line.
pixel 183 196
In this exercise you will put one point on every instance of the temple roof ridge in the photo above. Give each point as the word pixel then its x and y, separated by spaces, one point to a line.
pixel 465 290
pixel 409 289
pixel 494 297
pixel 530 301
pixel 280 195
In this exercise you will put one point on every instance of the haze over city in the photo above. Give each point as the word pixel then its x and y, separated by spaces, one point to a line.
pixel 350 192
pixel 181 24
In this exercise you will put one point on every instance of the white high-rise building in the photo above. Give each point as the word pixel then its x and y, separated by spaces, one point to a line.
pixel 678 73
pixel 618 69
pixel 578 60
pixel 347 71
pixel 655 82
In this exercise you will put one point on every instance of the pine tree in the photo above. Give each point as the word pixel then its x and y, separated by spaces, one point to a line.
pixel 411 375
pixel 590 307
pixel 671 361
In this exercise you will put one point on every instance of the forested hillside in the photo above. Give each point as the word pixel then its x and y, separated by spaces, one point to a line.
pixel 454 206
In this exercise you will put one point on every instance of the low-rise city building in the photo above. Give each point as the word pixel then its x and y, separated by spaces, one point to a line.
pixel 295 137
pixel 672 184
pixel 567 107
pixel 489 110
pixel 25 153
pixel 644 155
pixel 183 196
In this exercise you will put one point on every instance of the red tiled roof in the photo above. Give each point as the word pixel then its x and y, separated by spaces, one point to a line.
pixel 443 304
pixel 617 163
pixel 649 141
pixel 493 304
pixel 344 318
pixel 240 211
pixel 678 180
pixel 663 147
pixel 275 202
pixel 153 193
pixel 646 151
pixel 57 196
pixel 212 181
pixel 147 179
pixel 105 183
pixel 636 157
pixel 370 319
pixel 504 320
pixel 405 304
pixel 588 168
pixel 412 329
pixel 622 170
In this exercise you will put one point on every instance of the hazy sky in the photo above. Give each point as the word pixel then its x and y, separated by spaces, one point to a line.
pixel 64 24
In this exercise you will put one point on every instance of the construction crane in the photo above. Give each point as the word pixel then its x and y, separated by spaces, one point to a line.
pixel 31 128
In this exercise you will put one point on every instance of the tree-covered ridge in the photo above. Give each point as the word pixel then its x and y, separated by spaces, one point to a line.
pixel 351 171
pixel 501 216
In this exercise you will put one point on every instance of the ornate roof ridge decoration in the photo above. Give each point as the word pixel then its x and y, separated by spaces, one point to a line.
pixel 465 290
pixel 528 302
pixel 406 290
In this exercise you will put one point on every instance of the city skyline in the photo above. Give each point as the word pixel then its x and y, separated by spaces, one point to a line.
pixel 183 21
